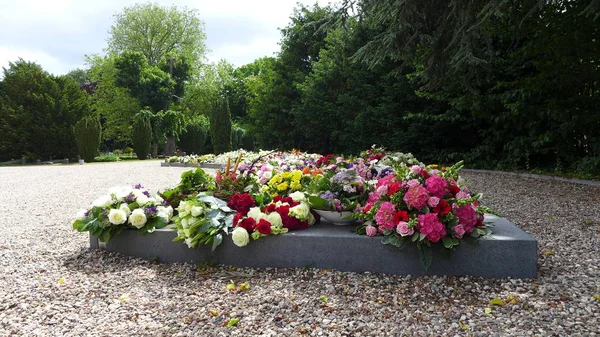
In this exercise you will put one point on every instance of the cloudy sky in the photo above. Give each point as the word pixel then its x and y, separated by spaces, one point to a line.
pixel 58 33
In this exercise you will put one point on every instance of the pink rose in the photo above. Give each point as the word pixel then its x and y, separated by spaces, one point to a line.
pixel 462 195
pixel 467 217
pixel 436 185
pixel 371 230
pixel 382 190
pixel 416 197
pixel 430 225
pixel 433 202
pixel 403 229
pixel 459 231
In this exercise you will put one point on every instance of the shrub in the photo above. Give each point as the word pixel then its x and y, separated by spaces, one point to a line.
pixel 142 137
pixel 87 136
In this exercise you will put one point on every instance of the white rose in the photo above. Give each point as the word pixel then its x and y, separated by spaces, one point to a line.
pixel 140 197
pixel 103 201
pixel 120 192
pixel 125 208
pixel 137 218
pixel 298 196
pixel 275 219
pixel 184 223
pixel 256 214
pixel 240 236
pixel 164 212
pixel 81 215
pixel 197 210
pixel 300 211
pixel 117 216
pixel 188 242
pixel 268 175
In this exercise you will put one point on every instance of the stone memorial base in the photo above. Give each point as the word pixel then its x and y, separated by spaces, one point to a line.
pixel 508 252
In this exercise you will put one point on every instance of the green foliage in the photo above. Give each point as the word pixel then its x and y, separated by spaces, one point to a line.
pixel 194 137
pixel 87 135
pixel 192 182
pixel 220 126
pixel 38 111
pixel 142 136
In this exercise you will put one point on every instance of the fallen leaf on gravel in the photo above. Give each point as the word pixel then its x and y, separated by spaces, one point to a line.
pixel 497 301
pixel 463 326
pixel 323 298
pixel 511 300
pixel 488 311
pixel 61 280
pixel 245 286
pixel 597 297
pixel 547 252
pixel 231 286
pixel 124 298
pixel 232 322
pixel 213 313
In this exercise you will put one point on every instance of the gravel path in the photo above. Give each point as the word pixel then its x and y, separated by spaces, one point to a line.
pixel 52 285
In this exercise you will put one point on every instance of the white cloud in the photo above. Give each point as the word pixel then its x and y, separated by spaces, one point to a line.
pixel 58 33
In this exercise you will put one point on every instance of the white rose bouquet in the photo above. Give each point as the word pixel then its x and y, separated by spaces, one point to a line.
pixel 124 207
pixel 202 220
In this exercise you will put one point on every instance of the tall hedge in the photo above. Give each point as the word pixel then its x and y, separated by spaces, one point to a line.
pixel 142 137
pixel 88 133
pixel 192 139
pixel 220 126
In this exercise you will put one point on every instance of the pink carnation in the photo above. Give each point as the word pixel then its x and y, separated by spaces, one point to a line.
pixel 382 190
pixel 403 229
pixel 416 197
pixel 413 183
pixel 371 230
pixel 459 231
pixel 436 185
pixel 386 181
pixel 385 215
pixel 430 225
pixel 433 202
pixel 417 169
pixel 462 195
pixel 467 217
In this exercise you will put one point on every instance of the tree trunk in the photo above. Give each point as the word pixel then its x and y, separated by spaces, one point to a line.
pixel 154 149
pixel 170 145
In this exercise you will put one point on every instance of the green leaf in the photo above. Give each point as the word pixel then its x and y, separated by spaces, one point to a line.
pixel 160 222
pixel 318 203
pixel 415 237
pixel 105 236
pixel 447 241
pixel 497 301
pixel 426 257
pixel 217 241
pixel 386 240
pixel 488 311
pixel 233 322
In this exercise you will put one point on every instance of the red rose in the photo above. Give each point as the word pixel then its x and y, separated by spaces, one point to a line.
pixel 241 203
pixel 270 208
pixel 442 208
pixel 479 223
pixel 454 189
pixel 248 224
pixel 264 227
pixel 394 188
pixel 236 218
pixel 368 208
pixel 400 216
pixel 425 174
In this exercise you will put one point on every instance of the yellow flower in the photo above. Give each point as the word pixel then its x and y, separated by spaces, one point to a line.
pixel 283 186
pixel 297 175
pixel 273 181
pixel 286 175
pixel 296 186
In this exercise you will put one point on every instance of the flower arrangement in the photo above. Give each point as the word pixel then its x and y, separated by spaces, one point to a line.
pixel 192 182
pixel 279 216
pixel 202 220
pixel 425 206
pixel 121 208
pixel 338 189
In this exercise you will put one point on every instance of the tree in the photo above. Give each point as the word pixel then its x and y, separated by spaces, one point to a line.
pixel 87 135
pixel 159 32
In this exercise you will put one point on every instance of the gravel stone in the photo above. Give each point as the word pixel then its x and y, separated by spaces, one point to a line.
pixel 52 284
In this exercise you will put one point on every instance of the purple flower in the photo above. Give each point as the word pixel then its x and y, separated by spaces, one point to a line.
pixel 130 197
pixel 164 202
pixel 328 195
pixel 138 186
pixel 151 210
pixel 86 213
pixel 146 193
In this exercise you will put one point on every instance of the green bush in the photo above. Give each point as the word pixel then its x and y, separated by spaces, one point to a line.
pixel 87 136
pixel 106 157
pixel 142 137
pixel 220 126
pixel 193 138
